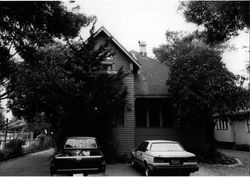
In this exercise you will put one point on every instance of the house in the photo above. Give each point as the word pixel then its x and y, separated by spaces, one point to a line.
pixel 233 129
pixel 148 114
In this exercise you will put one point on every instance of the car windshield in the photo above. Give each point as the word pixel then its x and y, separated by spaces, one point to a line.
pixel 163 147
pixel 74 143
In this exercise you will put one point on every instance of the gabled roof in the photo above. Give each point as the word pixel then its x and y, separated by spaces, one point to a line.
pixel 103 29
pixel 151 79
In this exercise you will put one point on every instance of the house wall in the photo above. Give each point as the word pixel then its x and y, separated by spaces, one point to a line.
pixel 225 135
pixel 123 136
pixel 241 134
pixel 120 59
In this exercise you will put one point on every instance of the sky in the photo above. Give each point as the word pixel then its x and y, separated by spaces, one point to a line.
pixel 130 21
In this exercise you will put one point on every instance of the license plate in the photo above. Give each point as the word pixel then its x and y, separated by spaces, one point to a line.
pixel 175 162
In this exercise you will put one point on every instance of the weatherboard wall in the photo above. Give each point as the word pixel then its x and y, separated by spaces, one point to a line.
pixel 123 136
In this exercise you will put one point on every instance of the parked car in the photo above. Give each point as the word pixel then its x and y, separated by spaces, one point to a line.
pixel 164 156
pixel 78 155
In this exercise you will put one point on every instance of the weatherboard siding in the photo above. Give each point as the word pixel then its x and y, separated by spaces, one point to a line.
pixel 120 59
pixel 124 137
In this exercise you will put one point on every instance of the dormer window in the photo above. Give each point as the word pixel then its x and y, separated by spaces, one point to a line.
pixel 109 58
pixel 108 64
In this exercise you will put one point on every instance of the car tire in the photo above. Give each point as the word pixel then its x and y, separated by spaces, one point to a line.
pixel 147 171
pixel 132 161
pixel 185 174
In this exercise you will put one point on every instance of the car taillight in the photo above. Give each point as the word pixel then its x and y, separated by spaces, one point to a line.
pixel 159 160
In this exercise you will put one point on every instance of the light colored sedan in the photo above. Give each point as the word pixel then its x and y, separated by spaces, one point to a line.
pixel 164 156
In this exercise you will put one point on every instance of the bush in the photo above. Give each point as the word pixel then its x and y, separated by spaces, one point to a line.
pixel 111 155
pixel 242 147
pixel 15 146
pixel 41 142
pixel 218 158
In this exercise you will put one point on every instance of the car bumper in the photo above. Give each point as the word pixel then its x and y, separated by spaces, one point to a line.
pixel 167 167
pixel 54 170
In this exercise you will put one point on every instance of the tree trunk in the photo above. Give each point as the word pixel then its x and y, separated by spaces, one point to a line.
pixel 210 134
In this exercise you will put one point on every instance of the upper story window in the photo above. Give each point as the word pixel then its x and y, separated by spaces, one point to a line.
pixel 108 64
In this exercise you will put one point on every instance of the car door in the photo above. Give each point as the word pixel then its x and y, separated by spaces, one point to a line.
pixel 141 152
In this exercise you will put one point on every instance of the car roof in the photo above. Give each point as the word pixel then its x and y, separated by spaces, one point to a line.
pixel 81 137
pixel 160 141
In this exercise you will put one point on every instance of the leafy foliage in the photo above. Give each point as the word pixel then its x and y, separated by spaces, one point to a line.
pixel 199 83
pixel 221 19
pixel 70 86
pixel 1 119
pixel 25 26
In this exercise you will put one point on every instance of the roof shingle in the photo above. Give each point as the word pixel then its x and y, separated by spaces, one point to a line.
pixel 151 78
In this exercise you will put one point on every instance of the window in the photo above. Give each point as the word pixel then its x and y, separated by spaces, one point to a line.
pixel 248 125
pixel 154 117
pixel 162 147
pixel 167 120
pixel 80 144
pixel 141 116
pixel 143 147
pixel 221 124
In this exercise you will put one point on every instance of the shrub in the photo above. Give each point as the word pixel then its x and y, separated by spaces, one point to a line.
pixel 2 156
pixel 15 146
pixel 242 147
pixel 42 141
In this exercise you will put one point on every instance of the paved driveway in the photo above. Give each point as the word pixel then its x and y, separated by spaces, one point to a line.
pixel 37 164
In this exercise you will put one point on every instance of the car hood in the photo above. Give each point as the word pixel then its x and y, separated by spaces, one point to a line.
pixel 172 154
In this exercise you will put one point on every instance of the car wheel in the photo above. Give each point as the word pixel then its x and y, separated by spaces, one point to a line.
pixel 185 173
pixel 132 161
pixel 147 171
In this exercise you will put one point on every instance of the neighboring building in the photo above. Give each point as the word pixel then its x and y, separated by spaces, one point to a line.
pixel 233 129
pixel 148 114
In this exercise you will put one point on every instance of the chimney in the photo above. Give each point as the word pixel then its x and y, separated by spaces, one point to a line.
pixel 142 45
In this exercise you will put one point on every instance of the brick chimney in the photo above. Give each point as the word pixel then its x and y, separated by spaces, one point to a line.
pixel 142 45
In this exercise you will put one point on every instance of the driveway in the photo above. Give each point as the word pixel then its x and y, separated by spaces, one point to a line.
pixel 37 164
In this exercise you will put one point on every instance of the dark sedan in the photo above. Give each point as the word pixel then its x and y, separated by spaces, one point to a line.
pixel 78 155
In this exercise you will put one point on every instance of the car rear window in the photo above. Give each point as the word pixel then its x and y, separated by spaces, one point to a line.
pixel 72 143
pixel 163 147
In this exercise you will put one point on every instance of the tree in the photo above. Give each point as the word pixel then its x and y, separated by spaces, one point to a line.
pixel 71 87
pixel 221 19
pixel 2 123
pixel 200 85
pixel 25 26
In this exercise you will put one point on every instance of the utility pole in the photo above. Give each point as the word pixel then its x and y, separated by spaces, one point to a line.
pixel 6 130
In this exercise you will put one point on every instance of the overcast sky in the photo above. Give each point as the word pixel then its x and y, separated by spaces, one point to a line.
pixel 148 20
